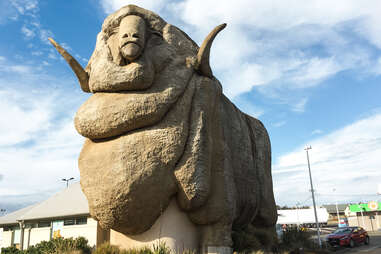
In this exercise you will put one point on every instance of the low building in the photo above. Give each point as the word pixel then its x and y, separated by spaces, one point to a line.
pixel 335 212
pixel 65 214
pixel 364 215
pixel 304 217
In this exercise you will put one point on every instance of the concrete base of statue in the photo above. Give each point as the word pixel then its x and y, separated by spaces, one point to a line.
pixel 173 228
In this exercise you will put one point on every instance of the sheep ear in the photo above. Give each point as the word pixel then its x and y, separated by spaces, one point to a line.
pixel 203 66
pixel 81 74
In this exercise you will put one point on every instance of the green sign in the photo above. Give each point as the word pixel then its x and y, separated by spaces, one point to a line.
pixel 363 207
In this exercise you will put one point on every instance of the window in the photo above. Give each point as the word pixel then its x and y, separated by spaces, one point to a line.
pixel 30 225
pixel 75 221
pixel 69 222
pixel 43 224
pixel 81 221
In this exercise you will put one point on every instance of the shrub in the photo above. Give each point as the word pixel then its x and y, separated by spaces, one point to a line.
pixel 107 248
pixel 293 238
pixel 55 246
pixel 10 250
pixel 160 248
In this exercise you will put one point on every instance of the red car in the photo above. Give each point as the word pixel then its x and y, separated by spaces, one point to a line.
pixel 348 236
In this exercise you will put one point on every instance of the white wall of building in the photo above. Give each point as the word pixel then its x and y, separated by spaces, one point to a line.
pixel 89 231
pixel 1 238
pixel 33 236
pixel 7 239
pixel 36 235
pixel 369 221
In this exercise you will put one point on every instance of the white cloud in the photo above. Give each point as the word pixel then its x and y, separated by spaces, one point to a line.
pixel 279 124
pixel 52 55
pixel 110 6
pixel 315 70
pixel 17 111
pixel 294 44
pixel 28 33
pixel 316 132
pixel 377 67
pixel 250 75
pixel 37 53
pixel 23 6
pixel 347 159
pixel 38 143
pixel 281 15
pixel 44 35
pixel 299 106
pixel 9 67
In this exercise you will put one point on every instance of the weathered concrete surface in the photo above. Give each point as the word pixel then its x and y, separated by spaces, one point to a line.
pixel 158 126
pixel 173 227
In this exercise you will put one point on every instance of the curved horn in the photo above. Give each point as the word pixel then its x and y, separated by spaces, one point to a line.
pixel 81 74
pixel 203 66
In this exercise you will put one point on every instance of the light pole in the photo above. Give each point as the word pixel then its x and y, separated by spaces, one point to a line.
pixel 67 181
pixel 297 215
pixel 362 215
pixel 378 206
pixel 313 195
pixel 337 210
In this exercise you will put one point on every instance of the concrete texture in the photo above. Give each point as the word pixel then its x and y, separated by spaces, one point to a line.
pixel 173 227
pixel 158 126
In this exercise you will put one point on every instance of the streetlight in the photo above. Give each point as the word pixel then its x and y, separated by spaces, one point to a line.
pixel 362 215
pixel 67 181
pixel 297 214
pixel 337 211
pixel 313 196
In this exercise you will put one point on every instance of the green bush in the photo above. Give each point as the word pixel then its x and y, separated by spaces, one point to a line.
pixel 294 238
pixel 107 248
pixel 10 250
pixel 160 248
pixel 60 245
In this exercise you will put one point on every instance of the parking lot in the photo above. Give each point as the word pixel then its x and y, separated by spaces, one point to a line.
pixel 373 248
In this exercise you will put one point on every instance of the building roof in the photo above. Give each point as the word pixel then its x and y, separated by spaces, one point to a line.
pixel 69 202
pixel 12 218
pixel 332 208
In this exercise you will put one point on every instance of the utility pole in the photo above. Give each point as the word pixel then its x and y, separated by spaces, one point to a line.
pixel 337 211
pixel 297 215
pixel 313 196
pixel 67 181
pixel 362 215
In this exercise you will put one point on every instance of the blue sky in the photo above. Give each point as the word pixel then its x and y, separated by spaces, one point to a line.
pixel 309 70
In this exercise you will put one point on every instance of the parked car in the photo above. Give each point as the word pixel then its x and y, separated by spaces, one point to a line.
pixel 348 236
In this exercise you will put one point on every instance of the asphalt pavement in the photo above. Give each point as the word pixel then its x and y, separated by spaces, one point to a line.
pixel 374 246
